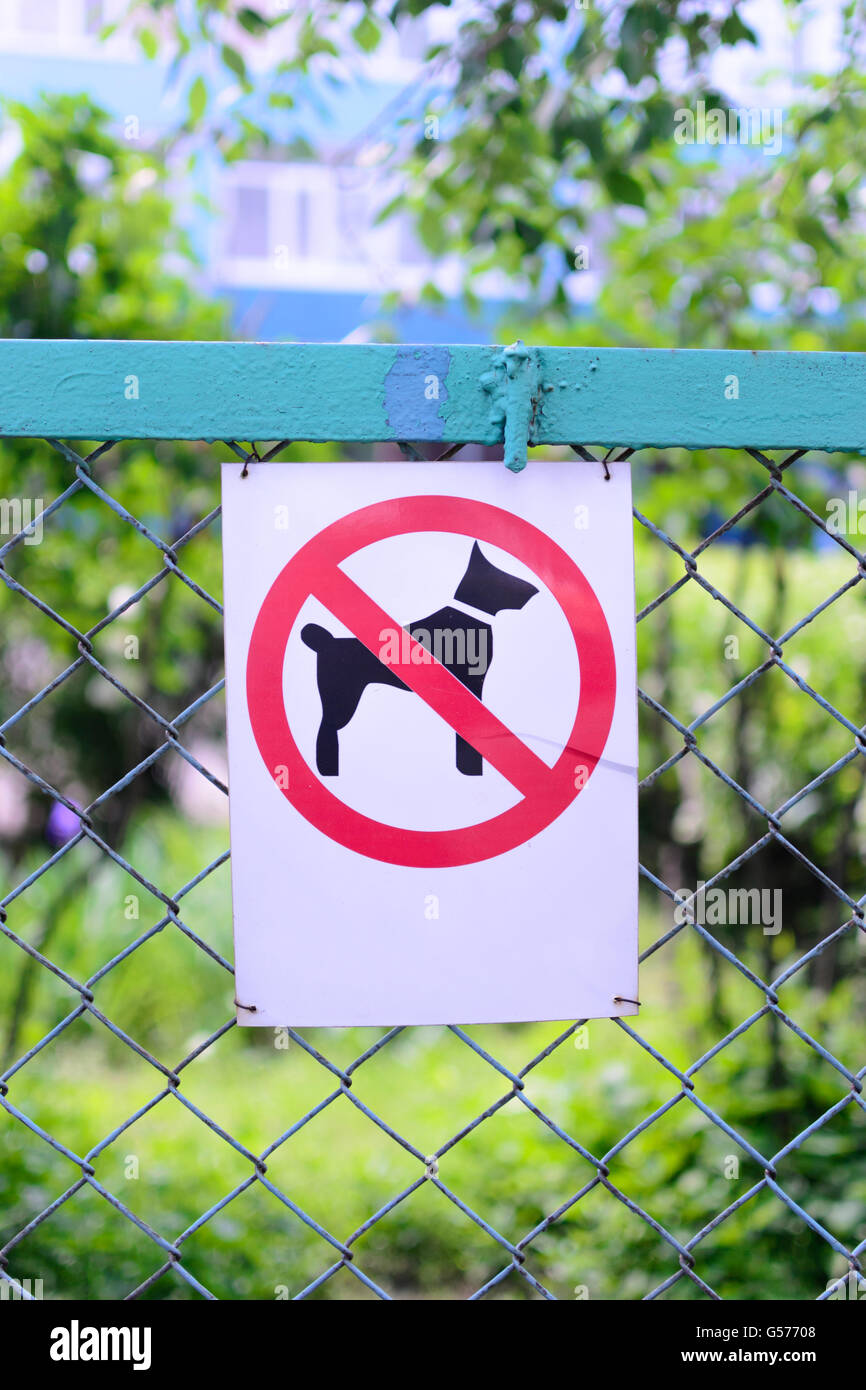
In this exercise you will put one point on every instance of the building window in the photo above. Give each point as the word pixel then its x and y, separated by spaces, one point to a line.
pixel 94 16
pixel 40 18
pixel 62 22
pixel 313 226
pixel 412 37
pixel 248 227
pixel 353 222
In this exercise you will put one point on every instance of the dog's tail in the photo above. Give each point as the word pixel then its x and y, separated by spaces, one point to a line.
pixel 316 637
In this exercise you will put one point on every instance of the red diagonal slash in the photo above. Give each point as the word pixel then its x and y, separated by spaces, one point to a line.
pixel 438 688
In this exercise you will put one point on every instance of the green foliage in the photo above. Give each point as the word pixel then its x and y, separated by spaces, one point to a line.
pixel 687 270
pixel 553 117
pixel 513 122
pixel 88 235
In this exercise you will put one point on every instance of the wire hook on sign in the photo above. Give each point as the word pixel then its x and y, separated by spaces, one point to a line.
pixel 253 454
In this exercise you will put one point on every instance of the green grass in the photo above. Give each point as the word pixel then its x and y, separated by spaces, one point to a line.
pixel 512 1169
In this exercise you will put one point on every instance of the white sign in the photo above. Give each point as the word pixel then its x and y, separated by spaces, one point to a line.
pixel 432 742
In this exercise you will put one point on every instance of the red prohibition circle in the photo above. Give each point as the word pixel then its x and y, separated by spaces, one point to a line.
pixel 551 791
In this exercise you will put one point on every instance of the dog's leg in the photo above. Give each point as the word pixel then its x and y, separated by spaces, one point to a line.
pixel 328 750
pixel 469 760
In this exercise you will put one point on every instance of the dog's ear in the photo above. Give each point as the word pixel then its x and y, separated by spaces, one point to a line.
pixel 489 588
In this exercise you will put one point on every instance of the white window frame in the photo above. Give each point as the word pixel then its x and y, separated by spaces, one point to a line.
pixel 377 269
pixel 70 38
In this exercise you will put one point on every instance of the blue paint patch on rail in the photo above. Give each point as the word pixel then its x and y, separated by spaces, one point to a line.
pixel 415 391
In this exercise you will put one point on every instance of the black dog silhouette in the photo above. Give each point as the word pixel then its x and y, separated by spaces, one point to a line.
pixel 462 642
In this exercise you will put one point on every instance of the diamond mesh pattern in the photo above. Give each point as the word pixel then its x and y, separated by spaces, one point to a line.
pixel 344 1085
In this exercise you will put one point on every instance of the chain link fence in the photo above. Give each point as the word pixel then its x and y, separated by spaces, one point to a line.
pixel 529 1166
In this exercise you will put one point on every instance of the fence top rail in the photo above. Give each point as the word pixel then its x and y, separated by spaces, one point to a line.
pixel 635 397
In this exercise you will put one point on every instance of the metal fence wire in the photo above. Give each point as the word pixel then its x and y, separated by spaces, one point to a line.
pixel 586 1176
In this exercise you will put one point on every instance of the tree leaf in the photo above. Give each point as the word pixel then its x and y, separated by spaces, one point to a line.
pixel 733 30
pixel 234 62
pixel 197 100
pixel 623 187
pixel 148 43
pixel 366 33
pixel 252 21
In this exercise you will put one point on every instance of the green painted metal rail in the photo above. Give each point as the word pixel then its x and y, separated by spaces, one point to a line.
pixel 549 395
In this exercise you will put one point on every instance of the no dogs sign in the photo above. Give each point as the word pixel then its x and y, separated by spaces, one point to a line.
pixel 432 742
